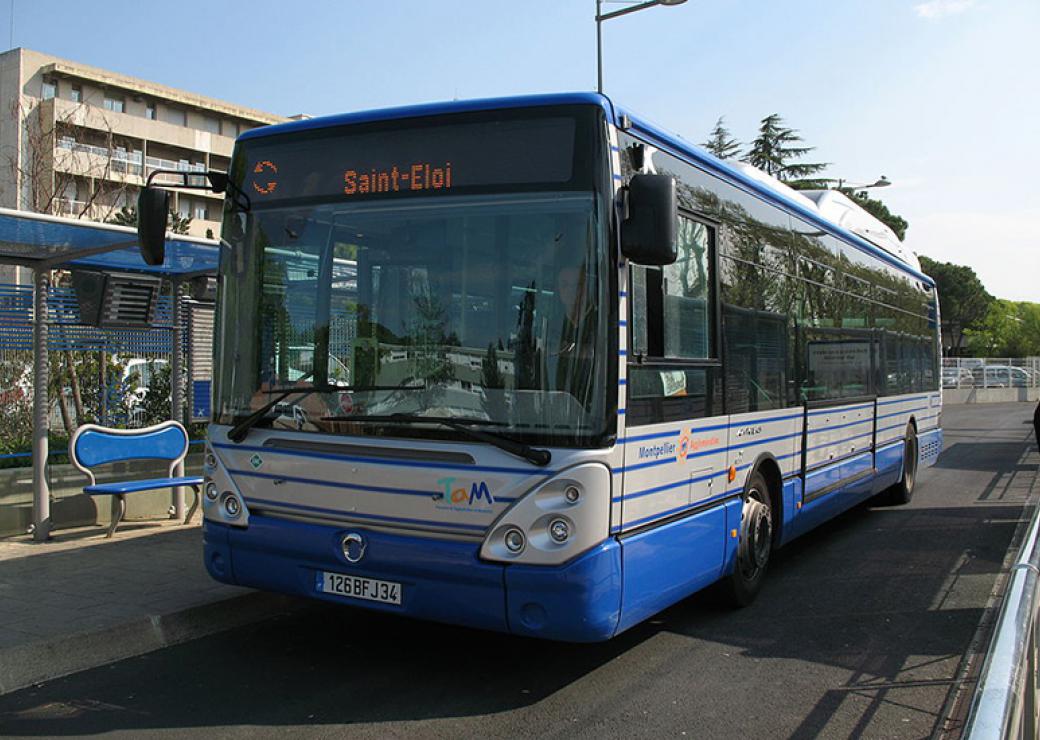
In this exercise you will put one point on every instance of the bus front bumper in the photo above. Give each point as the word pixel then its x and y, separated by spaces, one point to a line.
pixel 440 580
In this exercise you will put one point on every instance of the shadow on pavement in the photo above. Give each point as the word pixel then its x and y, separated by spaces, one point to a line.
pixel 886 599
pixel 331 665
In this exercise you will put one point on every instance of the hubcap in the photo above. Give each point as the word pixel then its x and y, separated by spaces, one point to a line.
pixel 757 536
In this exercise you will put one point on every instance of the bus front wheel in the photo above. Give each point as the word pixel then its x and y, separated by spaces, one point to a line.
pixel 755 545
pixel 903 491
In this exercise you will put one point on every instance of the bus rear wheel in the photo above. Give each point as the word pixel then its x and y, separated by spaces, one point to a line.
pixel 903 491
pixel 755 545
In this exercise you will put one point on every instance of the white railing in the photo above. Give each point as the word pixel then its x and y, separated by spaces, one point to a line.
pixel 99 210
pixel 157 163
pixel 69 206
pixel 122 160
pixel 990 372
pixel 1005 701
pixel 134 163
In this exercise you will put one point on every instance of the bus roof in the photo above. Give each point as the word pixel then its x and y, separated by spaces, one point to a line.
pixel 617 114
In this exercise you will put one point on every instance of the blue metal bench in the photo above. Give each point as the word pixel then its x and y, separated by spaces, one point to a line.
pixel 94 445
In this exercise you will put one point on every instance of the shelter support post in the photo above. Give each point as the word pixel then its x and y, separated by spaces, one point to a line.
pixel 103 385
pixel 41 417
pixel 177 391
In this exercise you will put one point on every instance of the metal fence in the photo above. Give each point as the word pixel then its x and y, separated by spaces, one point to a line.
pixel 990 372
pixel 1005 701
pixel 101 375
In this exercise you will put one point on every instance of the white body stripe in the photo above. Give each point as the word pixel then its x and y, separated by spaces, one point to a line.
pixel 658 480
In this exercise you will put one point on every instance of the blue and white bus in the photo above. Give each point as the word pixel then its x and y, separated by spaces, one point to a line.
pixel 535 365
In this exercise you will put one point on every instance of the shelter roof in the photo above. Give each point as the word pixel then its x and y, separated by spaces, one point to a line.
pixel 39 240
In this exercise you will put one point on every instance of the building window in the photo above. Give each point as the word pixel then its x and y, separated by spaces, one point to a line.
pixel 212 125
pixel 76 94
pixel 200 211
pixel 50 88
pixel 113 103
pixel 149 110
pixel 229 128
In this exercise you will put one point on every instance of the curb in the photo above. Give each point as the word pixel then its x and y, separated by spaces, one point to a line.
pixel 45 660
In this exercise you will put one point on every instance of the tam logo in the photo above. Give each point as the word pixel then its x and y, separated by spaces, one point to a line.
pixel 477 498
pixel 683 448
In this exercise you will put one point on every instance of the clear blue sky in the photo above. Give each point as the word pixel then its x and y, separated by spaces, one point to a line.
pixel 941 96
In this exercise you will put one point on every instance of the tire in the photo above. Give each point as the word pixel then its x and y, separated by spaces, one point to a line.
pixel 903 491
pixel 755 544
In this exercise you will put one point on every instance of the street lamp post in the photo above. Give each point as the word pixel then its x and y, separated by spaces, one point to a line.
pixel 601 16
pixel 882 182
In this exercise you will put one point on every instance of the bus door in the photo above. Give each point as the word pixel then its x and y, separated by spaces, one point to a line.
pixel 676 435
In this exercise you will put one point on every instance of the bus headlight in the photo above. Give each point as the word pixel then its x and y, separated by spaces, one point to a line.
pixel 514 540
pixel 559 531
pixel 555 521
pixel 231 505
pixel 221 500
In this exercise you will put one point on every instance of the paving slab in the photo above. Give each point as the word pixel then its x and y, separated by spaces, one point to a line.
pixel 82 601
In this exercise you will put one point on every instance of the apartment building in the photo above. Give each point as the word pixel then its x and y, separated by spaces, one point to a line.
pixel 80 141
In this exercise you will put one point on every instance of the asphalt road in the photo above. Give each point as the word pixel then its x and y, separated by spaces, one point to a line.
pixel 860 632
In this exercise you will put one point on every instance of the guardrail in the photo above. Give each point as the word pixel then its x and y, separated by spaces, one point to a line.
pixel 1005 701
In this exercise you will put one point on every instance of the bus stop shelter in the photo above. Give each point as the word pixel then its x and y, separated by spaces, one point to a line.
pixel 44 243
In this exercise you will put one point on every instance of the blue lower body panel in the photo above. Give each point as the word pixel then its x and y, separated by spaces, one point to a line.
pixel 440 580
pixel 670 562
pixel 577 602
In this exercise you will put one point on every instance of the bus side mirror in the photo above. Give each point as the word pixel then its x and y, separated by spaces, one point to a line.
pixel 648 233
pixel 153 208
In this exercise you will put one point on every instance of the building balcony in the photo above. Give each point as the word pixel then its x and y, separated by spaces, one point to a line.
pixel 118 165
pixel 121 161
pixel 98 163
pixel 68 207
pixel 72 208
pixel 135 127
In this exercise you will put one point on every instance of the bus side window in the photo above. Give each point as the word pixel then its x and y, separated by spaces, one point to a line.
pixel 672 373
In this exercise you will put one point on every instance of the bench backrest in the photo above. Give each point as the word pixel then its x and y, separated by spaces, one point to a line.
pixel 94 445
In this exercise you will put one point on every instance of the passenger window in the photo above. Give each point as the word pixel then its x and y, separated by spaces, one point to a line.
pixel 685 288
pixel 671 373
pixel 671 307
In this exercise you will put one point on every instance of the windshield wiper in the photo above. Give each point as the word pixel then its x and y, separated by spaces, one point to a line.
pixel 241 429
pixel 533 455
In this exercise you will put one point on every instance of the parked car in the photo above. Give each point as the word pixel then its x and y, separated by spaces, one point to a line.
pixel 137 377
pixel 1000 376
pixel 957 377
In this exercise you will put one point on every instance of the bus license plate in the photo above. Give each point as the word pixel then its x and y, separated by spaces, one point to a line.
pixel 356 587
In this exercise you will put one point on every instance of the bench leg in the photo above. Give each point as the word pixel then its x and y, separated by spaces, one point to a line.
pixel 194 505
pixel 118 510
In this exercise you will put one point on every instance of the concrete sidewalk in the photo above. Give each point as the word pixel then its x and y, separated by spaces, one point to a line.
pixel 82 601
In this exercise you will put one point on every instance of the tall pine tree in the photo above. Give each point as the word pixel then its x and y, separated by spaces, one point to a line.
pixel 720 142
pixel 775 151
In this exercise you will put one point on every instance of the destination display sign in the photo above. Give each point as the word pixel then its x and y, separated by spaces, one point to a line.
pixel 423 160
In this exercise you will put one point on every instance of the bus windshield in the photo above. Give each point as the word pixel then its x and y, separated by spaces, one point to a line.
pixel 478 307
